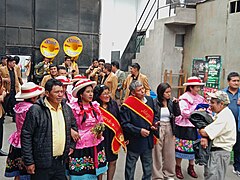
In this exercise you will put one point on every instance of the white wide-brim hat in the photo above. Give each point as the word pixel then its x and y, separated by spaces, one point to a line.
pixel 78 77
pixel 81 84
pixel 194 81
pixel 29 90
pixel 64 80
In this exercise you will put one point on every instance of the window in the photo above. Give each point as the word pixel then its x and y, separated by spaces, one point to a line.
pixel 179 40
pixel 234 6
pixel 238 6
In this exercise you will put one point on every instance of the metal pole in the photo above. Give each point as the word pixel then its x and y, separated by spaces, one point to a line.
pixel 157 8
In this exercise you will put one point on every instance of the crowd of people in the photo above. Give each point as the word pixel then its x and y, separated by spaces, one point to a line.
pixel 70 125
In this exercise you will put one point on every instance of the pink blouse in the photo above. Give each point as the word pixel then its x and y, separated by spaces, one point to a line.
pixel 188 103
pixel 21 110
pixel 88 139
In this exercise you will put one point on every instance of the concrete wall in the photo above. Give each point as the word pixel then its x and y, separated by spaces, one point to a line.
pixel 214 34
pixel 159 53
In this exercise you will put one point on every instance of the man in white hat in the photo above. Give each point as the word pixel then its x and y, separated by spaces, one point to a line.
pixel 223 133
pixel 46 134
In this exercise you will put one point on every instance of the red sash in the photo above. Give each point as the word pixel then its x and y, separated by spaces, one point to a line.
pixel 141 109
pixel 112 123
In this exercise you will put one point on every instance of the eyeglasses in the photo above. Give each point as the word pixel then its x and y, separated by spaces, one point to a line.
pixel 106 94
pixel 101 64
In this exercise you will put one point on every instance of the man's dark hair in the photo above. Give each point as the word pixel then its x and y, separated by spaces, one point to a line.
pixel 3 57
pixel 52 82
pixel 108 67
pixel 10 59
pixel 67 57
pixel 52 65
pixel 116 64
pixel 136 65
pixel 101 60
pixel 17 59
pixel 232 74
pixel 61 67
pixel 94 59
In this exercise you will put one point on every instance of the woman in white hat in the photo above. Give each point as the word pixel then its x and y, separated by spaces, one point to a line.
pixel 186 133
pixel 29 93
pixel 88 161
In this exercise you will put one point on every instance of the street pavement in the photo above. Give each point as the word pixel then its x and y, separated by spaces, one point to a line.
pixel 9 127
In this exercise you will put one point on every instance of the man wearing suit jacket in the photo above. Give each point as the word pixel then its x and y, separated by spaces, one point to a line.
pixel 110 79
pixel 11 84
pixel 121 77
pixel 136 76
pixel 138 123
pixel 52 75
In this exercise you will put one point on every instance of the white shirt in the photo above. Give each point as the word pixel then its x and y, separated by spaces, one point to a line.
pixel 223 130
pixel 165 114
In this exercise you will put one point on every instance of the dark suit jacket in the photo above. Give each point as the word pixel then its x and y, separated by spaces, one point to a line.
pixel 132 124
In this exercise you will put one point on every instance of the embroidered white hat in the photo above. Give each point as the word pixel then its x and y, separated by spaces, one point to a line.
pixel 64 80
pixel 81 84
pixel 29 90
pixel 78 77
pixel 194 81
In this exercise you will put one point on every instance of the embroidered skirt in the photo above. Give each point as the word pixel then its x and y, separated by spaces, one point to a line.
pixel 15 165
pixel 87 163
pixel 185 137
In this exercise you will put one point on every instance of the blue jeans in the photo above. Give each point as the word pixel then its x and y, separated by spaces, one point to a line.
pixel 131 160
pixel 236 150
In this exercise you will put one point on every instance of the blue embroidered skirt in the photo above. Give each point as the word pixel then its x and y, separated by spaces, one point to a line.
pixel 15 165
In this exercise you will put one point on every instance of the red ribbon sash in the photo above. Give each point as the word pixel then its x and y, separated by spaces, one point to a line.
pixel 142 109
pixel 112 123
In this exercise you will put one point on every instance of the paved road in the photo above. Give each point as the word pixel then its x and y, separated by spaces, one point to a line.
pixel 9 127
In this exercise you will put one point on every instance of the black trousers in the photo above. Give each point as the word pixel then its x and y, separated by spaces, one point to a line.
pixel 55 172
pixel 1 131
pixel 10 102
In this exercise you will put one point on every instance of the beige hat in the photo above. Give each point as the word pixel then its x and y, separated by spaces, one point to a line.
pixel 29 90
pixel 81 84
pixel 64 80
pixel 220 95
pixel 194 81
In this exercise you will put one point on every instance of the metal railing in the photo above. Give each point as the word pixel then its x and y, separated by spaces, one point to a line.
pixel 135 42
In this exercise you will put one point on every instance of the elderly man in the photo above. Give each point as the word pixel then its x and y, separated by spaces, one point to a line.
pixel 233 92
pixel 223 133
pixel 138 123
pixel 46 134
